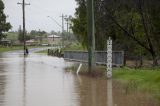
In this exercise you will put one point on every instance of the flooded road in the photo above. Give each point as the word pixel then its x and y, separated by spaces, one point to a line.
pixel 39 80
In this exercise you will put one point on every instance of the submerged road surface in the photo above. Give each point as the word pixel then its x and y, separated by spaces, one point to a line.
pixel 38 80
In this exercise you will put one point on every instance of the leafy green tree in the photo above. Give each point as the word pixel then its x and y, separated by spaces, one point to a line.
pixel 4 26
pixel 128 22
pixel 79 26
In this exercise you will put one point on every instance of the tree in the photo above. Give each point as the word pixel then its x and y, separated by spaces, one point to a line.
pixel 143 24
pixel 128 22
pixel 79 26
pixel 4 26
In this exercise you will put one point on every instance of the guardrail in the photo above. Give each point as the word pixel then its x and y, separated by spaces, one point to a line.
pixel 100 56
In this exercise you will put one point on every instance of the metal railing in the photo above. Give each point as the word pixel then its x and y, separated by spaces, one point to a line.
pixel 100 57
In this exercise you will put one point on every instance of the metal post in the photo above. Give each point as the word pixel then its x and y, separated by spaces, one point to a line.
pixel 91 34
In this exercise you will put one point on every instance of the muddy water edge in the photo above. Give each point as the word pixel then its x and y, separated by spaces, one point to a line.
pixel 38 80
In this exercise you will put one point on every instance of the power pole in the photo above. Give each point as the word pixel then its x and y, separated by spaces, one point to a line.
pixel 24 30
pixel 91 34
pixel 63 29
pixel 67 28
pixel 67 20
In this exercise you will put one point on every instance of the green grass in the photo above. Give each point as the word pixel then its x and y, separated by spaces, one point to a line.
pixel 11 48
pixel 147 80
pixel 43 52
pixel 73 46
pixel 6 49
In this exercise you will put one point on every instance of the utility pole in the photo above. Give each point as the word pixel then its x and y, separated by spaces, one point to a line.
pixel 24 30
pixel 91 34
pixel 67 20
pixel 63 29
pixel 67 28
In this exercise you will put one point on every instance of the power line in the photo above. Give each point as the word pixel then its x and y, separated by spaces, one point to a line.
pixel 55 21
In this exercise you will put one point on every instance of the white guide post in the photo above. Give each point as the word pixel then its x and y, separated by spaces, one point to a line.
pixel 109 58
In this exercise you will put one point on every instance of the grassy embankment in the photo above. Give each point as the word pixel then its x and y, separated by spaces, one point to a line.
pixel 11 48
pixel 146 80
pixel 42 52
pixel 72 46
pixel 6 49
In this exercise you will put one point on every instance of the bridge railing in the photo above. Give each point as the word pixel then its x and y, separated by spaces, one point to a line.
pixel 100 57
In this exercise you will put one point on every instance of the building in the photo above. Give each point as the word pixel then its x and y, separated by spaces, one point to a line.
pixel 5 42
pixel 54 39
pixel 31 42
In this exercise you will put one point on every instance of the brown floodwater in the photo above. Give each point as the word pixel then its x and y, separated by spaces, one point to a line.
pixel 39 80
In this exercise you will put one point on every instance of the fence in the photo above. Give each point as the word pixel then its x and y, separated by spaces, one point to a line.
pixel 100 57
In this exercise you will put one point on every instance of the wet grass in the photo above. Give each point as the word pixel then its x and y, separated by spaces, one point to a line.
pixel 146 80
pixel 10 48
pixel 73 47
pixel 43 52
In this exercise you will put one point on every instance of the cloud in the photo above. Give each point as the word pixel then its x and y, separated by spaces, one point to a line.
pixel 37 12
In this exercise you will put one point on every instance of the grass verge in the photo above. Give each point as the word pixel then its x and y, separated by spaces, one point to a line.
pixel 5 49
pixel 146 80
pixel 73 46
pixel 43 52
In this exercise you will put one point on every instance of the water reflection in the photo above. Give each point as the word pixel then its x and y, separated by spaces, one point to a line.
pixel 91 91
pixel 103 92
pixel 24 81
pixel 38 80
pixel 109 93
pixel 2 86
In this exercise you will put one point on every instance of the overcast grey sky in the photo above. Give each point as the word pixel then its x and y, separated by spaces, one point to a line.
pixel 37 12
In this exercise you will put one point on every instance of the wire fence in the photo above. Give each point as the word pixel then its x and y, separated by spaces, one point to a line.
pixel 100 57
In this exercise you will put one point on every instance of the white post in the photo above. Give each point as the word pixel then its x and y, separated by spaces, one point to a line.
pixel 109 58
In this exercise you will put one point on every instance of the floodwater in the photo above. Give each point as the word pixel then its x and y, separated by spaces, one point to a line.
pixel 39 80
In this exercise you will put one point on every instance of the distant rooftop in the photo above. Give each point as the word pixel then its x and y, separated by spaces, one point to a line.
pixel 55 36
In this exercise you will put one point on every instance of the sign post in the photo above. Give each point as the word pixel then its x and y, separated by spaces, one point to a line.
pixel 109 58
